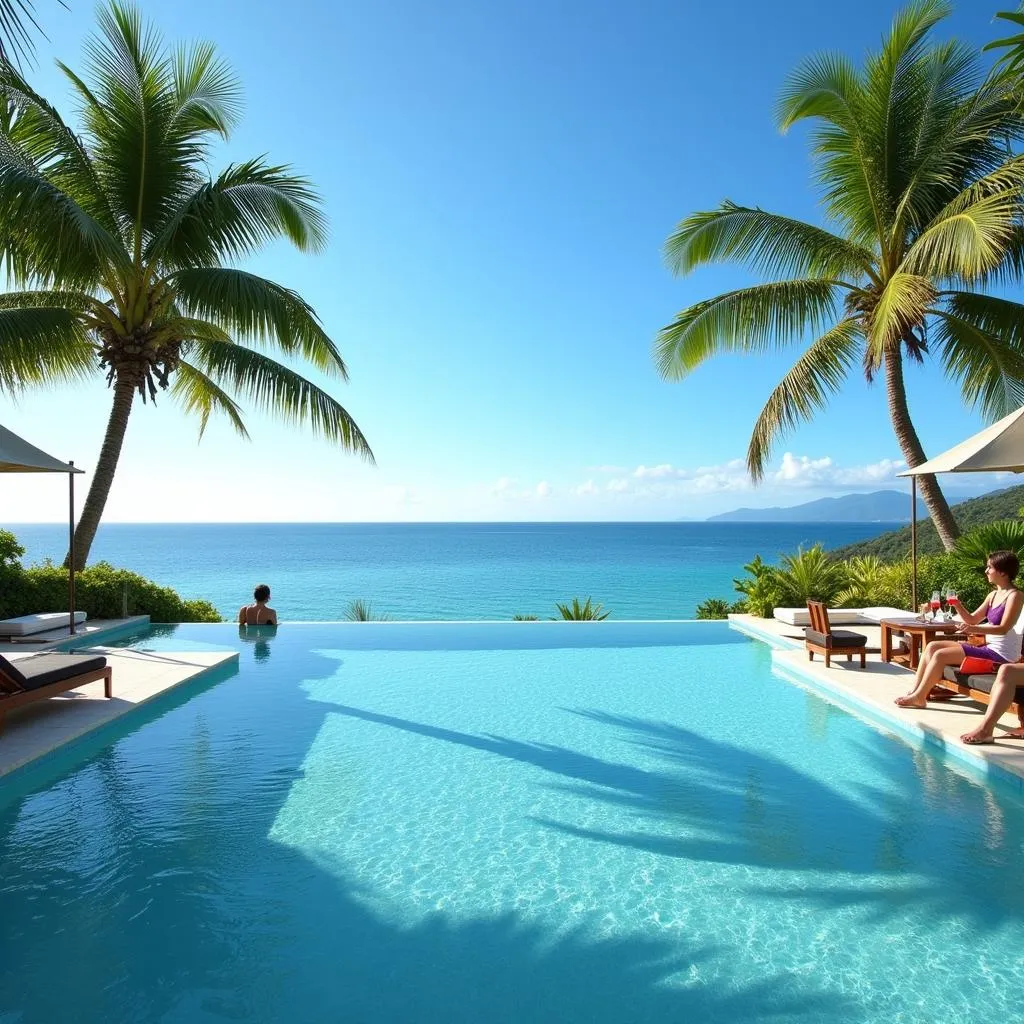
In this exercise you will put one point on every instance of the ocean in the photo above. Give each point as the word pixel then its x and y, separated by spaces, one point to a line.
pixel 447 570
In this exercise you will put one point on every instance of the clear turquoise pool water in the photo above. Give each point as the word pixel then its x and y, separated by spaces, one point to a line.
pixel 523 822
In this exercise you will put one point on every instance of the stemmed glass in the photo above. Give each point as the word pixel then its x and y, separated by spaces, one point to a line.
pixel 951 599
pixel 936 604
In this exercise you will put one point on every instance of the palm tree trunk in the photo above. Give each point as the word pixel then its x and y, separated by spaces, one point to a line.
pixel 103 478
pixel 910 445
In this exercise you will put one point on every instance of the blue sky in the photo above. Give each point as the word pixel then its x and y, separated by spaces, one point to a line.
pixel 500 178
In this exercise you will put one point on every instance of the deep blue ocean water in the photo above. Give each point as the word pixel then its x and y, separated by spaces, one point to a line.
pixel 448 570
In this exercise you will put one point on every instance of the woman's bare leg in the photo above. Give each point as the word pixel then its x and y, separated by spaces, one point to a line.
pixel 936 657
pixel 1008 678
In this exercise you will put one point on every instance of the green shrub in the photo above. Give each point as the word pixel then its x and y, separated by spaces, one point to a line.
pixel 973 548
pixel 713 608
pixel 99 591
pixel 524 618
pixel 810 575
pixel 760 588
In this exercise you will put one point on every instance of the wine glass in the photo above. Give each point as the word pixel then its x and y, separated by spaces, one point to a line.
pixel 951 599
pixel 936 604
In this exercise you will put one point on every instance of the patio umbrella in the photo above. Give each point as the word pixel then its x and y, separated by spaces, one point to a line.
pixel 18 456
pixel 996 449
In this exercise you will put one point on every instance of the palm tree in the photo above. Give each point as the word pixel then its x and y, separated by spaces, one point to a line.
pixel 923 196
pixel 120 242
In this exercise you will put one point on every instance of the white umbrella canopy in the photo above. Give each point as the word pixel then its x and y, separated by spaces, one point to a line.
pixel 18 456
pixel 996 449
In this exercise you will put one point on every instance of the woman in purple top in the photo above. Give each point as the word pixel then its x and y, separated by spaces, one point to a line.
pixel 996 619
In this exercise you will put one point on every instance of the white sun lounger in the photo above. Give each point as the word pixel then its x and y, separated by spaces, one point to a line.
pixel 841 616
pixel 26 625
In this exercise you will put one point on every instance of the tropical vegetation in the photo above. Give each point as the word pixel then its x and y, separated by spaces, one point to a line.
pixel 915 155
pixel 868 580
pixel 121 244
pixel 101 591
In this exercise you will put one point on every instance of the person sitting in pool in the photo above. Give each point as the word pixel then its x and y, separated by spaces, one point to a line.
pixel 258 614
pixel 996 619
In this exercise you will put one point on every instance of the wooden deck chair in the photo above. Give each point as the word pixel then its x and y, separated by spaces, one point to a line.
pixel 820 637
pixel 45 675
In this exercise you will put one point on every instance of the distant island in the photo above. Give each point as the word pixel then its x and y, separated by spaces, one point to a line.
pixel 874 507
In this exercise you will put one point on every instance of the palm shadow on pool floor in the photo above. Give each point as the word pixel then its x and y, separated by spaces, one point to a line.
pixel 715 801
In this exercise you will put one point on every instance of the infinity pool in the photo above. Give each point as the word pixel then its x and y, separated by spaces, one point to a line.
pixel 534 822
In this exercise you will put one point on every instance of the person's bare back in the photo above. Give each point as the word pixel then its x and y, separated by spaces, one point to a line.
pixel 258 613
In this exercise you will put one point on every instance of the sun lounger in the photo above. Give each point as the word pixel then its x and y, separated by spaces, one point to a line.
pixel 841 616
pixel 26 625
pixel 821 638
pixel 45 675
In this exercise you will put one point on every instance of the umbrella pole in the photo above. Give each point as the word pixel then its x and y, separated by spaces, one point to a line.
pixel 913 543
pixel 71 549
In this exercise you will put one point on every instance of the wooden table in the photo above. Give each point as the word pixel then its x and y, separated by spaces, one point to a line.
pixel 918 632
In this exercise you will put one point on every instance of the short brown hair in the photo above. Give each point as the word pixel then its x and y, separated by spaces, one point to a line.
pixel 262 592
pixel 1005 562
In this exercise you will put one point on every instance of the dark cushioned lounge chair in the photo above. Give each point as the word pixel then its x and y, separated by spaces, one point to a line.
pixel 820 637
pixel 45 675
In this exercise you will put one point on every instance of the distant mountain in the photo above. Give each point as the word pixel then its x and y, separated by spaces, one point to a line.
pixel 989 508
pixel 875 507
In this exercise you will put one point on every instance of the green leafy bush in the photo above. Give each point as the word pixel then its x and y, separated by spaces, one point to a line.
pixel 973 548
pixel 99 591
pixel 810 575
pixel 716 608
pixel 760 588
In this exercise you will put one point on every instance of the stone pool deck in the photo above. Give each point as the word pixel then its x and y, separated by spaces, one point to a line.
pixel 871 691
pixel 139 677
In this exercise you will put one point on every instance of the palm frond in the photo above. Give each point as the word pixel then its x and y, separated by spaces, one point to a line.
pixel 34 129
pixel 198 394
pixel 1013 58
pixel 46 235
pixel 824 86
pixel 745 320
pixel 804 391
pixel 251 307
pixel 207 95
pixel 278 390
pixel 900 310
pixel 764 241
pixel 970 237
pixel 42 346
pixel 980 341
pixel 17 22
pixel 248 206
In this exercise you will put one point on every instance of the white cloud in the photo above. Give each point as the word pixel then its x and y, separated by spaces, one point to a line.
pixel 657 472
pixel 504 486
pixel 543 489
pixel 793 472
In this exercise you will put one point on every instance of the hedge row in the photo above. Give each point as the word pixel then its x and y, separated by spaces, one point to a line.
pixel 100 591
